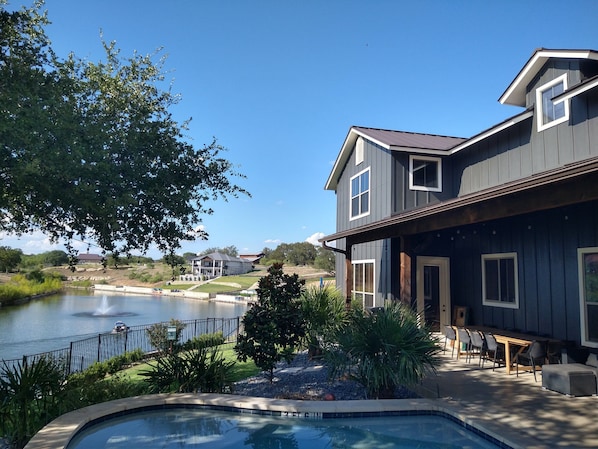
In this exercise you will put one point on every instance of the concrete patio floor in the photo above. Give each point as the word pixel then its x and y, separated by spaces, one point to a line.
pixel 515 407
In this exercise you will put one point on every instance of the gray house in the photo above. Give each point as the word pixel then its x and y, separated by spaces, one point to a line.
pixel 217 264
pixel 503 225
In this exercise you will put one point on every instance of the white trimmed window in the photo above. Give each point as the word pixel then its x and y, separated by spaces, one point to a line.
pixel 359 151
pixel 550 113
pixel 588 295
pixel 363 282
pixel 425 173
pixel 500 287
pixel 360 194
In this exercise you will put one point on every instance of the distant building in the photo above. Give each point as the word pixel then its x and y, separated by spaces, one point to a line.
pixel 217 264
pixel 254 258
pixel 89 258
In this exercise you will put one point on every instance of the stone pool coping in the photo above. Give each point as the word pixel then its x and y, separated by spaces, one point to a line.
pixel 58 433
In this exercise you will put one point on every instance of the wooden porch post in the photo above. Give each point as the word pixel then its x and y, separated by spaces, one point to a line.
pixel 405 271
pixel 348 275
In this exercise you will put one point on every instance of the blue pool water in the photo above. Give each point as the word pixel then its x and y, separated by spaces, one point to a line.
pixel 194 428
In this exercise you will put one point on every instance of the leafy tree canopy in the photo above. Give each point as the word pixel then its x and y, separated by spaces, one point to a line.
pixel 228 250
pixel 9 258
pixel 90 150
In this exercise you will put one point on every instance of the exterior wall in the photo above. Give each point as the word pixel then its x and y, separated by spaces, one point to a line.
pixel 380 252
pixel 521 151
pixel 403 198
pixel 546 244
pixel 379 161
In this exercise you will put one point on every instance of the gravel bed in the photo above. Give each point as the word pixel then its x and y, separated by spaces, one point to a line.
pixel 308 380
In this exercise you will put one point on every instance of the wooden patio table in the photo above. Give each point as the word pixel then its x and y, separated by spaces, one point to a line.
pixel 508 338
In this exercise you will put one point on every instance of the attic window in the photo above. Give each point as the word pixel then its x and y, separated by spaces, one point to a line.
pixel 551 113
pixel 359 155
pixel 425 173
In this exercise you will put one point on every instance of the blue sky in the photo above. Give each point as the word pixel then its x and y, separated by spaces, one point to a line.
pixel 279 83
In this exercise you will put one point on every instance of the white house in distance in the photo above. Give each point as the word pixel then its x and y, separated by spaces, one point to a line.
pixel 216 264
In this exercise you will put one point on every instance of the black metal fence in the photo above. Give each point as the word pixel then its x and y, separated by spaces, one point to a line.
pixel 83 353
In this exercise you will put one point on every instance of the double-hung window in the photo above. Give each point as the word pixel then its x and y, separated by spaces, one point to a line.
pixel 425 173
pixel 588 295
pixel 549 112
pixel 360 194
pixel 363 282
pixel 499 280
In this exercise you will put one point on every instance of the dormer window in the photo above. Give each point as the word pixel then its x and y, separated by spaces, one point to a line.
pixel 425 173
pixel 549 112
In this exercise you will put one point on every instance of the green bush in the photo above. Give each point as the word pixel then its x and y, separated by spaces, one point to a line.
pixel 204 341
pixel 324 312
pixel 204 370
pixel 158 336
pixel 383 350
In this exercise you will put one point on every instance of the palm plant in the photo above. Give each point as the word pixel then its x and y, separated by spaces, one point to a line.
pixel 383 350
pixel 30 395
pixel 324 312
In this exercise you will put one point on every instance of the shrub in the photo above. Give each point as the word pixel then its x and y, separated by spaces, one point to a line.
pixel 383 350
pixel 203 370
pixel 158 336
pixel 324 312
pixel 204 341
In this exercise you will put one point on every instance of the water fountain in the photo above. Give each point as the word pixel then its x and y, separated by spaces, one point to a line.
pixel 105 309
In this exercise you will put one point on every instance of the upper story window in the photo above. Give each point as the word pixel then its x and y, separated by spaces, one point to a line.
pixel 360 194
pixel 499 280
pixel 551 113
pixel 425 173
pixel 359 151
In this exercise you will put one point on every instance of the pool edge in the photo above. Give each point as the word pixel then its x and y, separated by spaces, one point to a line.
pixel 58 433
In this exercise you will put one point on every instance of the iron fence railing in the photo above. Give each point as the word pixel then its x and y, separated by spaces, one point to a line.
pixel 81 354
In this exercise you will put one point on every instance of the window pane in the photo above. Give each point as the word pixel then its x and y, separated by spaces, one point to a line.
pixel 425 173
pixel 358 276
pixel 355 187
pixel 365 203
pixel 550 110
pixel 369 278
pixel 592 322
pixel 365 181
pixel 355 206
pixel 507 281
pixel 368 300
pixel 491 276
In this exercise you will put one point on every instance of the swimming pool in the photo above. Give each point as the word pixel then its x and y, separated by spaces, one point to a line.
pixel 190 428
pixel 229 421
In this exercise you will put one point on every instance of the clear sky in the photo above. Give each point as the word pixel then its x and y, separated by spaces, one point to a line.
pixel 279 83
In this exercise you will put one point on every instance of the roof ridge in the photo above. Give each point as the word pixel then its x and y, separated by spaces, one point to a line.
pixel 408 132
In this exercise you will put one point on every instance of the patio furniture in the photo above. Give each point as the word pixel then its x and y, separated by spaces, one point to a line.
pixel 572 379
pixel 492 350
pixel 534 355
pixel 464 343
pixel 450 334
pixel 477 342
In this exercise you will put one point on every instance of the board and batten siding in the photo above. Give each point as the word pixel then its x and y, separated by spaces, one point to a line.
pixel 546 245
pixel 378 160
pixel 521 151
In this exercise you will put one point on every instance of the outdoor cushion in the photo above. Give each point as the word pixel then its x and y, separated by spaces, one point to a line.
pixel 592 360
pixel 572 379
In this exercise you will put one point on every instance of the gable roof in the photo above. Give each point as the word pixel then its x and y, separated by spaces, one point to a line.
pixel 515 93
pixel 415 143
pixel 221 257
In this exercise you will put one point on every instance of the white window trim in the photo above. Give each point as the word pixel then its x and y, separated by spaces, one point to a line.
pixel 539 112
pixel 439 173
pixel 359 151
pixel 361 292
pixel 582 300
pixel 369 190
pixel 491 303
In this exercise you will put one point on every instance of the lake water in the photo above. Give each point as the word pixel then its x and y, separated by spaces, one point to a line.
pixel 53 322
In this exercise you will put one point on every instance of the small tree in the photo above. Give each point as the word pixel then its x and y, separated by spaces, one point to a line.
pixel 158 336
pixel 274 326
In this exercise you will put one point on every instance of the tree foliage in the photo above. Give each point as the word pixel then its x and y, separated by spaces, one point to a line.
pixel 274 326
pixel 9 258
pixel 91 151
pixel 228 250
